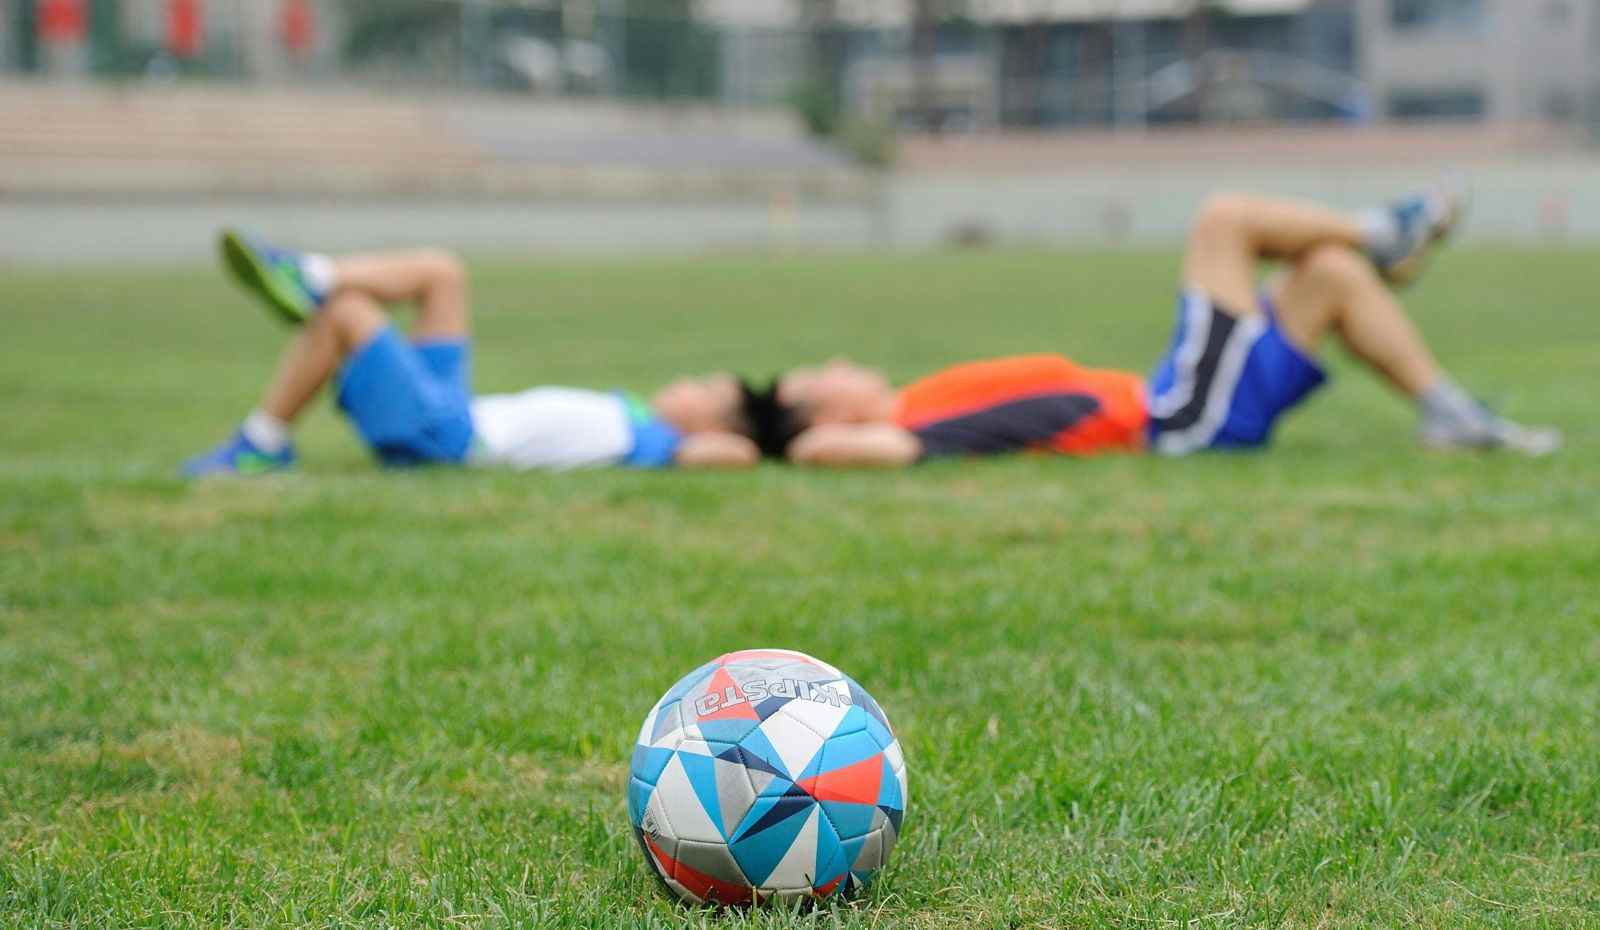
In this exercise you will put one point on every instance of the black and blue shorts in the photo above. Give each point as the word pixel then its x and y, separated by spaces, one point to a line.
pixel 1226 379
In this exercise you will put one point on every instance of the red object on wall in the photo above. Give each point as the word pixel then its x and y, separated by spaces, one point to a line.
pixel 62 20
pixel 185 27
pixel 297 26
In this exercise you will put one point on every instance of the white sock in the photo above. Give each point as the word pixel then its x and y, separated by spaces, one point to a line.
pixel 320 274
pixel 266 432
pixel 1446 403
pixel 1379 231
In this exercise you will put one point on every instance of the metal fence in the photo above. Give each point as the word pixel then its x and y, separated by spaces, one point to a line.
pixel 618 49
pixel 1314 63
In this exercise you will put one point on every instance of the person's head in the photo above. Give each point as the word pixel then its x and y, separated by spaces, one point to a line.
pixel 837 392
pixel 769 423
pixel 707 404
pixel 772 415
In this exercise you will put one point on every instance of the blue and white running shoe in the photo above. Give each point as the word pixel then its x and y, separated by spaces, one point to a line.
pixel 1418 226
pixel 277 276
pixel 1491 434
pixel 238 457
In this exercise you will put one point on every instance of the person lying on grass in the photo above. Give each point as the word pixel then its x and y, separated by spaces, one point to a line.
pixel 1240 359
pixel 410 397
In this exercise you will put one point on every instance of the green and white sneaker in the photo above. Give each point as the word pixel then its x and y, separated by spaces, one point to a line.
pixel 285 280
pixel 239 458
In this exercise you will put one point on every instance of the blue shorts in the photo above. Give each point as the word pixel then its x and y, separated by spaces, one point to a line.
pixel 412 403
pixel 1226 379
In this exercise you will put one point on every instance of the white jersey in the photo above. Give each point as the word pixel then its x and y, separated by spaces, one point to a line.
pixel 551 427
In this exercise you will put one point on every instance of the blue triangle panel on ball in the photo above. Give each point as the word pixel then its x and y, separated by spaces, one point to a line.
pixel 648 763
pixel 850 820
pixel 889 789
pixel 758 850
pixel 702 772
pixel 831 859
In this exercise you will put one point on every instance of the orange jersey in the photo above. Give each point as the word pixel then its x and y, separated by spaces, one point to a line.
pixel 1041 403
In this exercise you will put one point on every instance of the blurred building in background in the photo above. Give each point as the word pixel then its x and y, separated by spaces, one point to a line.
pixel 1495 60
pixel 1065 63
pixel 947 65
pixel 686 123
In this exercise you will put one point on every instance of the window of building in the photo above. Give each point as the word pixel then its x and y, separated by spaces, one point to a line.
pixel 1451 15
pixel 1441 103
pixel 1560 104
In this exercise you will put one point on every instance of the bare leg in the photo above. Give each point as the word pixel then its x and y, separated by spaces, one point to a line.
pixel 347 319
pixel 1235 232
pixel 432 279
pixel 345 323
pixel 1332 287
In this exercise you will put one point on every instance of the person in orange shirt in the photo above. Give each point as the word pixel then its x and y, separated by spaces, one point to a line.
pixel 1239 360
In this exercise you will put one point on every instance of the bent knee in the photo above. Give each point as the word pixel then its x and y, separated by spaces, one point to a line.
pixel 445 267
pixel 1221 213
pixel 352 316
pixel 1335 263
pixel 348 305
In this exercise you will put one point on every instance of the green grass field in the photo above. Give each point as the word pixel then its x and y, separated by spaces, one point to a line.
pixel 1344 684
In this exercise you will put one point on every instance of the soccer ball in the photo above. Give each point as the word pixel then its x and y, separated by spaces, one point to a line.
pixel 766 774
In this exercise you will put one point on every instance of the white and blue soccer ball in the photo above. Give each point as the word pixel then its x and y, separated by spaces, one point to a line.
pixel 766 774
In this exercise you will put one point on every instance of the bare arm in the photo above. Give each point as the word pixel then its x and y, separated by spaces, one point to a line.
pixel 876 445
pixel 717 450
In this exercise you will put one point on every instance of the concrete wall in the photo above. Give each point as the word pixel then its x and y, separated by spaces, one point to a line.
pixel 194 141
pixel 58 233
pixel 1548 201
pixel 1554 201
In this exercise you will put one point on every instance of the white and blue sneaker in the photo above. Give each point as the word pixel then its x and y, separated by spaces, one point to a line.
pixel 1493 433
pixel 1452 419
pixel 289 282
pixel 239 457
pixel 1404 235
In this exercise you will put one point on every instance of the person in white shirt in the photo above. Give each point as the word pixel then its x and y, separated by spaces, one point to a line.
pixel 410 397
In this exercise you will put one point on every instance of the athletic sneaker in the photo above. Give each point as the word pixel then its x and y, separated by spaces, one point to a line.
pixel 1413 229
pixel 277 276
pixel 1493 433
pixel 238 456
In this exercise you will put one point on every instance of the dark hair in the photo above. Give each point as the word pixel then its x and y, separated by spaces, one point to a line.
pixel 772 424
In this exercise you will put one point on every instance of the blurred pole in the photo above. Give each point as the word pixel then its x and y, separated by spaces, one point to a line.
pixel 1028 50
pixel 1197 49
pixel 925 66
pixel 252 52
pixel 25 44
pixel 1129 53
pixel 613 37
pixel 105 35
pixel 825 55
pixel 476 31
pixel 248 59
